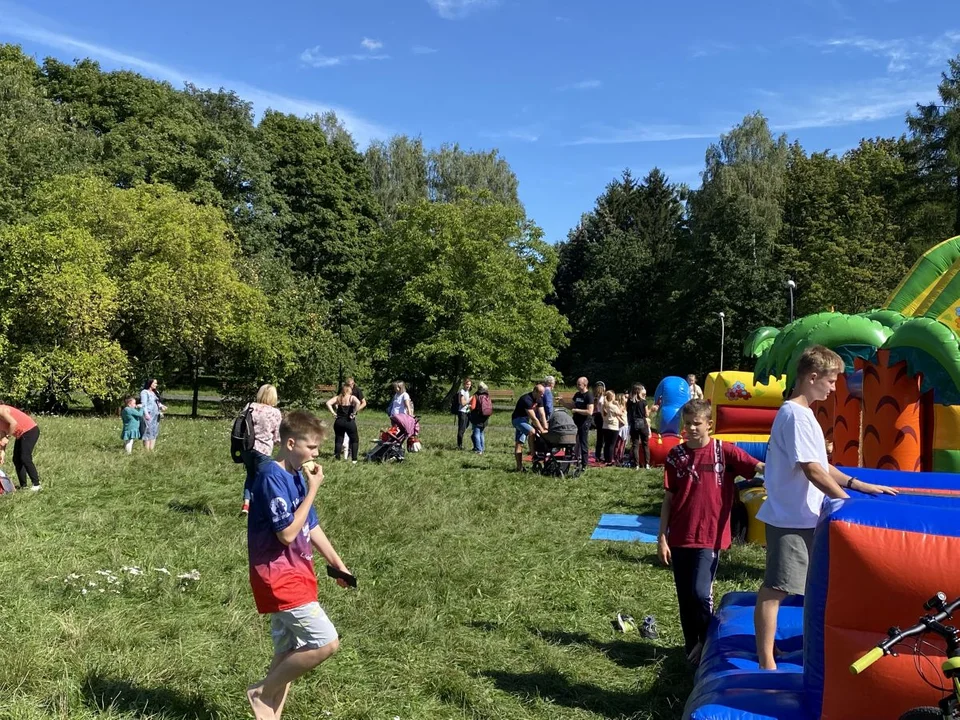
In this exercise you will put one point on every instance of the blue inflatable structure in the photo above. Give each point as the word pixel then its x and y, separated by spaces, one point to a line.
pixel 671 394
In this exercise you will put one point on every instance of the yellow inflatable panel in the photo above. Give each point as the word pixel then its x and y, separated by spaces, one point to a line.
pixel 753 498
pixel 946 427
pixel 732 387
pixel 734 438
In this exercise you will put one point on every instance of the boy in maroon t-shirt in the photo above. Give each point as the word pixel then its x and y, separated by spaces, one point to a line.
pixel 695 517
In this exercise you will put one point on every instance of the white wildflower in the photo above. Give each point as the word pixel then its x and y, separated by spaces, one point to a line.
pixel 162 570
pixel 192 575
pixel 91 584
pixel 83 591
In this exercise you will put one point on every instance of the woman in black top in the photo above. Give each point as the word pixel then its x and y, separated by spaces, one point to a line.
pixel 345 408
pixel 639 421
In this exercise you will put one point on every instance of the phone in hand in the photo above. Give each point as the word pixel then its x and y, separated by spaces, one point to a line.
pixel 349 579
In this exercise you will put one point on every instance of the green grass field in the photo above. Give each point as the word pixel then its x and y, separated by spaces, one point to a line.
pixel 481 595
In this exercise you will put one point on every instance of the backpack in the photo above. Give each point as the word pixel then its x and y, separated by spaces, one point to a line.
pixel 6 485
pixel 482 409
pixel 455 403
pixel 241 434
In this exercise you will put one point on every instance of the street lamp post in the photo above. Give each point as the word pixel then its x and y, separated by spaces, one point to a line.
pixel 791 286
pixel 340 341
pixel 723 332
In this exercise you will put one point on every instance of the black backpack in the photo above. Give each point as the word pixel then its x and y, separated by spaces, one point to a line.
pixel 455 403
pixel 241 434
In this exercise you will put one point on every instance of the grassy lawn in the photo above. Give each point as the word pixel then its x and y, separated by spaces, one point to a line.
pixel 481 595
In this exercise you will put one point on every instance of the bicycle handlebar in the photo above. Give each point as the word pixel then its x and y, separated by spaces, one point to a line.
pixel 866 661
pixel 927 623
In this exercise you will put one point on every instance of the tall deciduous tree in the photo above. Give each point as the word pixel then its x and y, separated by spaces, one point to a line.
pixel 460 288
pixel 323 204
pixel 403 171
pixel 35 139
pixel 936 132
pixel 733 263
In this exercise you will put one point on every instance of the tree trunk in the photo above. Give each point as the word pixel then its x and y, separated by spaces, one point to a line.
pixel 196 389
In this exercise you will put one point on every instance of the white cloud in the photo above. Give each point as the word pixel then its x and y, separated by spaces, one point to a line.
pixel 423 50
pixel 901 54
pixel 529 134
pixel 584 85
pixel 711 48
pixel 370 44
pixel 643 133
pixel 456 9
pixel 363 130
pixel 314 58
pixel 868 102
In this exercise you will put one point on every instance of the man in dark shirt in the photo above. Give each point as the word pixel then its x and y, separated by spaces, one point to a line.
pixel 581 407
pixel 528 417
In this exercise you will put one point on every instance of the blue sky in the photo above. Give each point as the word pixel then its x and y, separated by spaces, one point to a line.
pixel 570 91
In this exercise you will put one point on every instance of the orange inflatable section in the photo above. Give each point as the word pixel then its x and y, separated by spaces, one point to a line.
pixel 873 584
pixel 846 426
pixel 891 416
pixel 824 411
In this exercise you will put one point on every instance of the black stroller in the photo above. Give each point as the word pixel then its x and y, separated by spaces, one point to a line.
pixel 404 430
pixel 554 453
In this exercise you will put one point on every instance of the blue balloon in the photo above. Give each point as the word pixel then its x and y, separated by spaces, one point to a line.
pixel 671 395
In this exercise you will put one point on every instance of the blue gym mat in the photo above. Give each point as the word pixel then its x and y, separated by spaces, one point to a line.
pixel 627 528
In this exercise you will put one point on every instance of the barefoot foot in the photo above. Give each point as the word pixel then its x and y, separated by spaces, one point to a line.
pixel 261 711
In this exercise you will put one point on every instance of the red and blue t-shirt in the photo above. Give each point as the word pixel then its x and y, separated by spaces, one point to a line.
pixel 702 483
pixel 281 576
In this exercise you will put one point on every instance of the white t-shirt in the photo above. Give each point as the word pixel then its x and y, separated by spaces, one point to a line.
pixel 398 406
pixel 792 500
pixel 464 400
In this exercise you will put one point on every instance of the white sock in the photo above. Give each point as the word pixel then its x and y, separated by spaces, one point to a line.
pixel 128 446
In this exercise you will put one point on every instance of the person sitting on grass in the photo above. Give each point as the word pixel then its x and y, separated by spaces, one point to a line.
pixel 698 497
pixel 282 531
pixel 528 417
pixel 130 417
pixel 798 479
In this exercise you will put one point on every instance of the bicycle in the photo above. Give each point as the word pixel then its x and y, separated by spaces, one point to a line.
pixel 949 707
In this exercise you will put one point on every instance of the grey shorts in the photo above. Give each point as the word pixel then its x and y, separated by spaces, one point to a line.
pixel 788 556
pixel 306 626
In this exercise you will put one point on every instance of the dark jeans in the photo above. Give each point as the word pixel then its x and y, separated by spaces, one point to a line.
pixel 601 440
pixel 609 443
pixel 583 442
pixel 23 456
pixel 252 460
pixel 463 422
pixel 694 570
pixel 341 427
pixel 641 441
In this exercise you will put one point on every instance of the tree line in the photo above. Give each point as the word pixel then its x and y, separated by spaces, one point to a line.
pixel 150 230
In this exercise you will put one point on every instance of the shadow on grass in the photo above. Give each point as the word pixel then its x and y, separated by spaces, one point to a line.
pixel 663 699
pixel 105 694
pixel 637 553
pixel 195 508
pixel 633 653
pixel 737 570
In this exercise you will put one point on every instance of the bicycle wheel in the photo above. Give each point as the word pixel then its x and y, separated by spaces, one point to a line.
pixel 923 713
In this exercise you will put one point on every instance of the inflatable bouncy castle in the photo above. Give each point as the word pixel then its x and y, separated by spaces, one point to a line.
pixel 897 404
pixel 893 420
pixel 864 579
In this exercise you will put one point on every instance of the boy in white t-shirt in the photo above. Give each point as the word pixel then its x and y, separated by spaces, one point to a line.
pixel 798 477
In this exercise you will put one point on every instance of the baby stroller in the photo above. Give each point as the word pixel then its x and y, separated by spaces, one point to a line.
pixel 553 453
pixel 404 430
